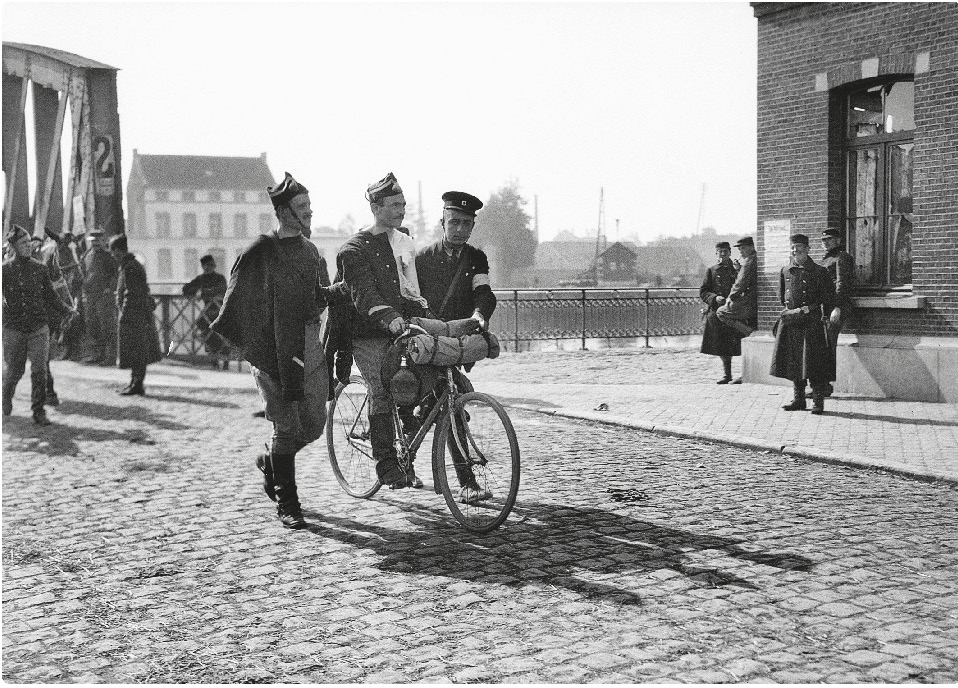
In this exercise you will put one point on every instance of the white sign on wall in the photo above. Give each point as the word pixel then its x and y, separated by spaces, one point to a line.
pixel 777 246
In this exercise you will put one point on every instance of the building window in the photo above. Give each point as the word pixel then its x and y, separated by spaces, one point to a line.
pixel 162 195
pixel 239 225
pixel 216 225
pixel 163 225
pixel 189 225
pixel 191 263
pixel 189 196
pixel 215 197
pixel 164 264
pixel 879 155
pixel 265 223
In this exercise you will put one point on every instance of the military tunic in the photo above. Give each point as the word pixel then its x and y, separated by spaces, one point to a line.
pixel 801 348
pixel 437 269
pixel 717 339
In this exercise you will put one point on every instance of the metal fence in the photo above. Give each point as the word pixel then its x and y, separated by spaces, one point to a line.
pixel 542 314
pixel 522 315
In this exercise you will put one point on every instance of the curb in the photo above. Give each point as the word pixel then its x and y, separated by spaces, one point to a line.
pixel 798 451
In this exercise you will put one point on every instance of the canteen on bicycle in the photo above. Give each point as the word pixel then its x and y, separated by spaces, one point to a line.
pixel 475 452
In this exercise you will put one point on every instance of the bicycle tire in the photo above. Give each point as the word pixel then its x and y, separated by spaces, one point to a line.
pixel 347 439
pixel 493 452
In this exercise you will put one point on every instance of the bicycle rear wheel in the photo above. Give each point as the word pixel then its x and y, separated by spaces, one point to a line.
pixel 347 437
pixel 476 449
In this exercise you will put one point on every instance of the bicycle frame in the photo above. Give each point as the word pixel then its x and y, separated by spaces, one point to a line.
pixel 406 449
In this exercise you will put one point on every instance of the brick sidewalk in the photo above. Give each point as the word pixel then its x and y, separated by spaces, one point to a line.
pixel 673 391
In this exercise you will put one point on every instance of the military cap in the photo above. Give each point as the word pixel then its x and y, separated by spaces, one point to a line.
pixel 745 241
pixel 461 201
pixel 384 188
pixel 118 243
pixel 207 259
pixel 38 239
pixel 723 244
pixel 831 233
pixel 799 239
pixel 96 231
pixel 16 233
pixel 282 193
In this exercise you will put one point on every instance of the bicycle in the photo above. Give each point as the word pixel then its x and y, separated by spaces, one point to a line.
pixel 473 441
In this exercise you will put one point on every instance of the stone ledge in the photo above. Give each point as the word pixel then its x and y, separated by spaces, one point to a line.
pixel 904 301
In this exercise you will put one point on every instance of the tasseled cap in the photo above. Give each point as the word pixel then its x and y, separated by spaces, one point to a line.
pixel 384 188
pixel 285 191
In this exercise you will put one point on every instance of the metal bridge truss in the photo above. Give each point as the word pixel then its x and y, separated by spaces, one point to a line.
pixel 61 81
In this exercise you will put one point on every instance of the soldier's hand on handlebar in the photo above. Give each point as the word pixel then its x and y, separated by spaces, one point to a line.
pixel 396 326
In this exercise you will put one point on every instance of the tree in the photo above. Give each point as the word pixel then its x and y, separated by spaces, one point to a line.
pixel 347 225
pixel 502 224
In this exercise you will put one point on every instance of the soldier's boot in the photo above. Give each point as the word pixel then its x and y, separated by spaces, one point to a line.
pixel 264 464
pixel 798 399
pixel 382 437
pixel 287 501
pixel 727 366
pixel 818 401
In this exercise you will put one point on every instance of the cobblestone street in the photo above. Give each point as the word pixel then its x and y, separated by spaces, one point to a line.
pixel 138 547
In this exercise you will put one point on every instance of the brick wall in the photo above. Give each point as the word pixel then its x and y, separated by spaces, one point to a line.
pixel 803 54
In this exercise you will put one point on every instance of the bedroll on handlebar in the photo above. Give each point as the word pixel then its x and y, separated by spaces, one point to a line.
pixel 451 351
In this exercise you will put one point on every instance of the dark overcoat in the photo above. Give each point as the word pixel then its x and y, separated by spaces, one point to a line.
pixel 801 348
pixel 137 341
pixel 718 339
pixel 275 288
pixel 841 268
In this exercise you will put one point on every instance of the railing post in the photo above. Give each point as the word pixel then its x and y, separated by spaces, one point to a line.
pixel 515 306
pixel 167 326
pixel 647 346
pixel 583 320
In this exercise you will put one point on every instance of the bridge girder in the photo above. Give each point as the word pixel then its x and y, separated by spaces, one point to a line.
pixel 94 190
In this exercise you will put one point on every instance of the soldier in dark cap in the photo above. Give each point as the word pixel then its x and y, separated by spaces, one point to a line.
pixel 29 302
pixel 454 278
pixel 740 310
pixel 272 312
pixel 801 350
pixel 377 267
pixel 841 268
pixel 138 344
pixel 719 339
pixel 211 288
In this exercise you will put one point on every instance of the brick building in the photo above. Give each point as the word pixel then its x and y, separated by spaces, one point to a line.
pixel 182 207
pixel 858 130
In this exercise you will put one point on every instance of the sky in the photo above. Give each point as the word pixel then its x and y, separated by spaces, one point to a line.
pixel 646 102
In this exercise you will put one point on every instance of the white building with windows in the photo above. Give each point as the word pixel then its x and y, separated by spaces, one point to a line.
pixel 181 207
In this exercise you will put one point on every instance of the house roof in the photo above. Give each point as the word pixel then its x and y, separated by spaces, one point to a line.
pixel 204 172
pixel 565 255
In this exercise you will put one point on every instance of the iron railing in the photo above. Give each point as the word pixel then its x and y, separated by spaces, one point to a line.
pixel 522 315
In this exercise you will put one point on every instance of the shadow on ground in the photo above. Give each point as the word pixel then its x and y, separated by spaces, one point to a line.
pixel 548 549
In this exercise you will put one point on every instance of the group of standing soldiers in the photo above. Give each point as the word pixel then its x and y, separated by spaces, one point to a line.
pixel 816 304
pixel 273 312
pixel 56 296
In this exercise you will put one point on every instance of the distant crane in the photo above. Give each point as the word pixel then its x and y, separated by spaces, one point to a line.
pixel 698 222
pixel 600 237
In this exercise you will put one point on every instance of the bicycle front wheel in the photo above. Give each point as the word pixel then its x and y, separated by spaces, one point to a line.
pixel 347 437
pixel 476 455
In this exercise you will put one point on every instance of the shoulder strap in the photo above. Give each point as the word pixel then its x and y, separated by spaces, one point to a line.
pixel 455 280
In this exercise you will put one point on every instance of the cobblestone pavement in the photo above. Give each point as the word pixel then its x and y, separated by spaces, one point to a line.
pixel 138 547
